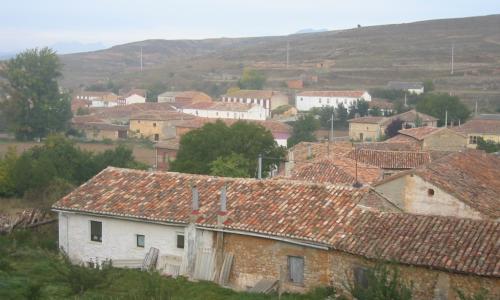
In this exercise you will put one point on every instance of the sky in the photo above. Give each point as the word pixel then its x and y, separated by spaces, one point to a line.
pixel 34 23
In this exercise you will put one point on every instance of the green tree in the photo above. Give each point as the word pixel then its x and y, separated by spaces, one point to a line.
pixel 341 116
pixel 303 130
pixel 7 184
pixel 154 90
pixel 251 80
pixel 376 112
pixel 200 148
pixel 325 115
pixel 234 165
pixel 428 85
pixel 34 106
pixel 436 105
pixel 362 108
pixel 393 128
pixel 488 146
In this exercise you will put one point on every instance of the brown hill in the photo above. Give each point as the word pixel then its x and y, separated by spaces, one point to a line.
pixel 354 58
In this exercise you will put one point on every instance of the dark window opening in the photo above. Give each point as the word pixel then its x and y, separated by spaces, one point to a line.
pixel 180 241
pixel 360 276
pixel 157 137
pixel 430 192
pixel 141 240
pixel 96 231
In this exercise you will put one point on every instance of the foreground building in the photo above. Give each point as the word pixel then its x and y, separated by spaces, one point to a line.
pixel 239 232
pixel 306 101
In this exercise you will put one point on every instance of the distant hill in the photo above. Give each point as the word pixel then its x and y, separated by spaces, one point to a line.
pixel 355 58
pixel 311 30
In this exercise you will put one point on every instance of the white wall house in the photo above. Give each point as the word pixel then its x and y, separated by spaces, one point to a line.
pixel 306 101
pixel 102 103
pixel 265 98
pixel 220 110
pixel 133 99
pixel 97 238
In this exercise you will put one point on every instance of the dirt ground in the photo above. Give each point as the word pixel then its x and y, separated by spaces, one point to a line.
pixel 141 153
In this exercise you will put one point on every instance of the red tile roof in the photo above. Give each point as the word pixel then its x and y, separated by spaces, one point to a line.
pixel 391 159
pixel 126 111
pixel 397 143
pixel 471 176
pixel 369 120
pixel 444 243
pixel 347 94
pixel 299 153
pixel 161 116
pixel 420 133
pixel 252 94
pixel 480 126
pixel 314 213
pixel 339 170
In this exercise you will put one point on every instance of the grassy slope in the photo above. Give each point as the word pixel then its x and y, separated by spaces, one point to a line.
pixel 365 57
pixel 29 264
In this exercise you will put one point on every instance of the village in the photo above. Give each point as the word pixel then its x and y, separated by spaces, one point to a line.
pixel 274 182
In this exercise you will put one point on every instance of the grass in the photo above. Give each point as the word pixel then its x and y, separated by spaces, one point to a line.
pixel 10 206
pixel 32 268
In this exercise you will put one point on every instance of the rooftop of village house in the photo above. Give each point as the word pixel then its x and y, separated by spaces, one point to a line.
pixel 315 213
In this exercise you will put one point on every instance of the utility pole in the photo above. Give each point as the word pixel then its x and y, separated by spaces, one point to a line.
pixel 405 101
pixel 452 57
pixel 475 112
pixel 446 118
pixel 141 59
pixel 260 167
pixel 287 53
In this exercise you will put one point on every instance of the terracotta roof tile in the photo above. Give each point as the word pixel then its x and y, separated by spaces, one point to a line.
pixel 315 213
pixel 391 159
pixel 252 94
pixel 420 133
pixel 480 126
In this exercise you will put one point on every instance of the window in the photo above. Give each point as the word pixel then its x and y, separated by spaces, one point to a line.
pixel 296 269
pixel 360 277
pixel 430 192
pixel 473 139
pixel 96 231
pixel 180 240
pixel 157 137
pixel 141 240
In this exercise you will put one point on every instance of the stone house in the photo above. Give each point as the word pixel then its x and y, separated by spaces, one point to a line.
pixel 156 125
pixel 184 97
pixel 431 138
pixel 373 128
pixel 485 126
pixel 96 129
pixel 305 101
pixel 416 88
pixel 165 152
pixel 461 184
pixel 269 100
pixel 316 237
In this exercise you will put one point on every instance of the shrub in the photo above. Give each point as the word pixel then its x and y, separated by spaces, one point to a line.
pixel 380 283
pixel 482 294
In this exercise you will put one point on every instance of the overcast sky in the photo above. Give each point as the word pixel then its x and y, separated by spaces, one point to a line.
pixel 32 23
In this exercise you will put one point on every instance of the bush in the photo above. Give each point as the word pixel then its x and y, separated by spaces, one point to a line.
pixel 482 294
pixel 380 283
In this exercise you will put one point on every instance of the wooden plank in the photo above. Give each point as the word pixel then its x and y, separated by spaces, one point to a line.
pixel 226 269
pixel 264 286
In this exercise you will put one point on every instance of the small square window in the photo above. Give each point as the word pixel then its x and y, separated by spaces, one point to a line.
pixel 180 240
pixel 141 240
pixel 96 231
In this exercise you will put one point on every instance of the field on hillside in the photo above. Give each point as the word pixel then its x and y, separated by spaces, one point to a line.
pixel 32 268
pixel 141 153
pixel 363 57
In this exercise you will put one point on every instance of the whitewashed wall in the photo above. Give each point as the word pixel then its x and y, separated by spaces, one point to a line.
pixel 306 103
pixel 254 113
pixel 132 99
pixel 119 238
pixel 101 103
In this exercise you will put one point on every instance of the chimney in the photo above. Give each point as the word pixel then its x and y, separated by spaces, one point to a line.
pixel 222 215
pixel 195 202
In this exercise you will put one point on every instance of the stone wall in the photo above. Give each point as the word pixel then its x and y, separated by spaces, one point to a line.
pixel 370 132
pixel 446 140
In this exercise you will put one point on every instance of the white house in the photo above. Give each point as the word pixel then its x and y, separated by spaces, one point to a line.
pixel 133 97
pixel 222 110
pixel 305 101
pixel 411 87
pixel 265 98
pixel 103 103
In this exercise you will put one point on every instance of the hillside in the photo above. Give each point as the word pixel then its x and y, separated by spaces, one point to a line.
pixel 355 58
